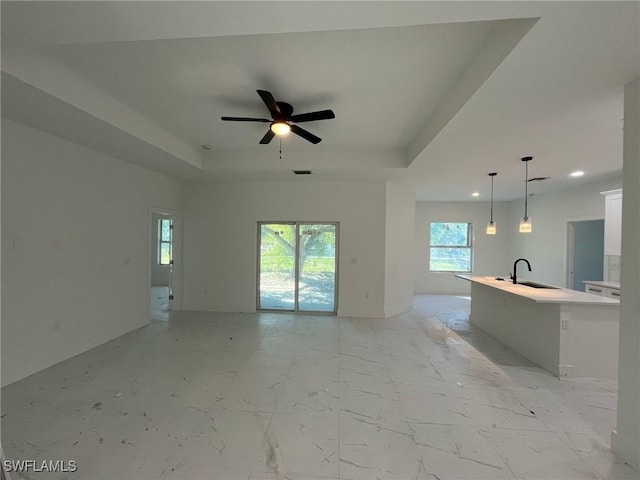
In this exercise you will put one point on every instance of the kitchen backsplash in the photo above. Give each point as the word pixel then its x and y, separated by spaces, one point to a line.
pixel 613 268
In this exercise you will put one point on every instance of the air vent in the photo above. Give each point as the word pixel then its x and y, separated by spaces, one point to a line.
pixel 538 179
pixel 302 172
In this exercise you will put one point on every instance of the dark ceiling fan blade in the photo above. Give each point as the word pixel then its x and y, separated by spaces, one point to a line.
pixel 311 116
pixel 304 134
pixel 245 119
pixel 271 104
pixel 267 137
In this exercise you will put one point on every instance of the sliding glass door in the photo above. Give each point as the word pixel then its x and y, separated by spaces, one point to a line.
pixel 297 266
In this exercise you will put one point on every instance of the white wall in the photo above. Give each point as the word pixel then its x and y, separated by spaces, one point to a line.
pixel 490 252
pixel 75 247
pixel 546 246
pixel 398 291
pixel 1 269
pixel 220 239
pixel 159 273
pixel 626 439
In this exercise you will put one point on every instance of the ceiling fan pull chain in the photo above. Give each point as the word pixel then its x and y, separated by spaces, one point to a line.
pixel 280 148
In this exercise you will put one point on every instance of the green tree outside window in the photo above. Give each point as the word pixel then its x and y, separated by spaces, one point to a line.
pixel 450 247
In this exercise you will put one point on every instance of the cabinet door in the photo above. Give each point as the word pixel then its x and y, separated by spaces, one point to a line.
pixel 613 224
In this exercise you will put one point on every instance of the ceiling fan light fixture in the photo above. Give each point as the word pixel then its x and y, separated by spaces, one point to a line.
pixel 280 128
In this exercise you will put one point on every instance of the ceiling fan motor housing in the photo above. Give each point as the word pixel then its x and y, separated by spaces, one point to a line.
pixel 286 109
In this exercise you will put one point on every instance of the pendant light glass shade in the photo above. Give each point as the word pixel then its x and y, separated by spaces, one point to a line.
pixel 525 222
pixel 525 225
pixel 491 226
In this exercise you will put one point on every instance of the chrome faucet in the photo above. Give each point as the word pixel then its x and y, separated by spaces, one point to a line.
pixel 514 277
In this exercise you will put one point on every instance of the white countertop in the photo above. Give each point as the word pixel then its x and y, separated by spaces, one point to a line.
pixel 542 295
pixel 601 283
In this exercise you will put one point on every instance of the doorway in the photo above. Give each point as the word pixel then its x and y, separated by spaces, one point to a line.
pixel 585 252
pixel 162 248
pixel 297 266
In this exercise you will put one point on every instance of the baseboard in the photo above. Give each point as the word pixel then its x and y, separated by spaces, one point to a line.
pixel 623 452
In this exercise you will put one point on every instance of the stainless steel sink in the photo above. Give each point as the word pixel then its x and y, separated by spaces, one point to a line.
pixel 537 285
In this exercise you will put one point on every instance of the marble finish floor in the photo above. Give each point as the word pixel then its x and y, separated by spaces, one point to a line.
pixel 160 303
pixel 280 396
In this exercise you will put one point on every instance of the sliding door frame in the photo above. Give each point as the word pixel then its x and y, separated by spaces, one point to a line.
pixel 297 266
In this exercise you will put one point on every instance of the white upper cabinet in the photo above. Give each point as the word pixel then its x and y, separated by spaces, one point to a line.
pixel 612 222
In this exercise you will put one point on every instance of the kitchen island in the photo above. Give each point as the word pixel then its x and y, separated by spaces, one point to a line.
pixel 567 332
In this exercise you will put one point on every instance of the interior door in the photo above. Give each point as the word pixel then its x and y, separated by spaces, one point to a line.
pixel 161 287
pixel 297 266
pixel 588 252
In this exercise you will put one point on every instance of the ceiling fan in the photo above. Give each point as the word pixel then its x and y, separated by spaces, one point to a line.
pixel 282 119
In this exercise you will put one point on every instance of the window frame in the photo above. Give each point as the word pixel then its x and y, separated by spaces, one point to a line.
pixel 469 246
pixel 162 242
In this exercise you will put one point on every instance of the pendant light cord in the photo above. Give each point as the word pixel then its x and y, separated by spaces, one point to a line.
pixel 492 198
pixel 526 190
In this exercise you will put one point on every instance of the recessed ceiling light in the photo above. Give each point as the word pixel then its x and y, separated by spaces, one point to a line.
pixel 475 194
pixel 577 173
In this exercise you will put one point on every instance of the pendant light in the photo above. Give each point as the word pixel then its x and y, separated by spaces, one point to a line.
pixel 491 226
pixel 525 222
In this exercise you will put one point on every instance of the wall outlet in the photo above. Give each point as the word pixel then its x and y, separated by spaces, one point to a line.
pixel 564 320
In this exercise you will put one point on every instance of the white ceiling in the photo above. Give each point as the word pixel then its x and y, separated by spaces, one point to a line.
pixel 433 95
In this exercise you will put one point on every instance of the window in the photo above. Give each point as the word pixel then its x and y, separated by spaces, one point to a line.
pixel 450 247
pixel 164 241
